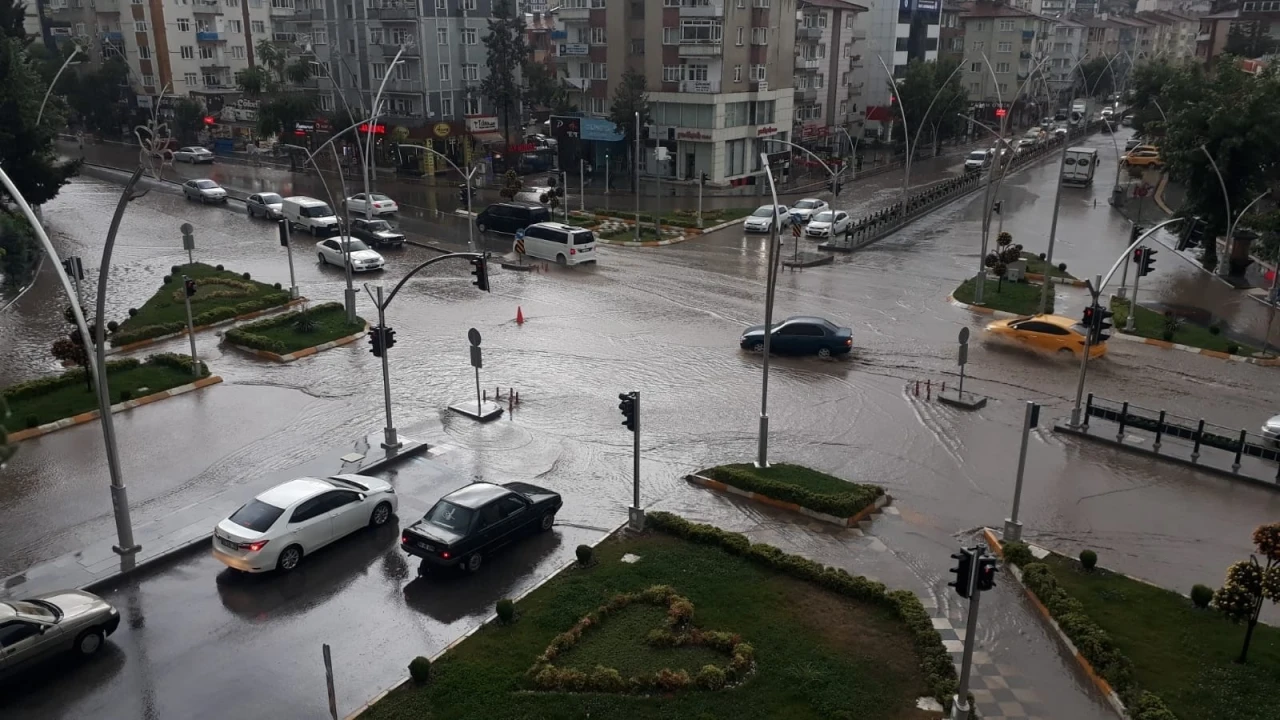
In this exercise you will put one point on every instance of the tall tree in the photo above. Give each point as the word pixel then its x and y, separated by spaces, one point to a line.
pixel 1250 40
pixel 188 116
pixel 13 21
pixel 271 58
pixel 920 84
pixel 254 81
pixel 1097 77
pixel 507 53
pixel 630 97
pixel 298 72
pixel 281 113
pixel 1149 81
pixel 542 86
pixel 96 97
pixel 27 153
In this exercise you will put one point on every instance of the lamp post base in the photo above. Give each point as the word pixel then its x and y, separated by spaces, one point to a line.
pixel 1012 530
pixel 390 439
pixel 959 708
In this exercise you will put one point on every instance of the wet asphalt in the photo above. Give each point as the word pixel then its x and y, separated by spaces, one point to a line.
pixel 664 322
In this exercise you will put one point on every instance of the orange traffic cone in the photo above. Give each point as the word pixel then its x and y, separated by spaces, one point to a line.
pixel 519 315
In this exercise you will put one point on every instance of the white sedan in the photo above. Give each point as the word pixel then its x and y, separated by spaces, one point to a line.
pixel 363 257
pixel 762 219
pixel 376 204
pixel 1271 431
pixel 828 223
pixel 193 155
pixel 206 191
pixel 805 209
pixel 275 530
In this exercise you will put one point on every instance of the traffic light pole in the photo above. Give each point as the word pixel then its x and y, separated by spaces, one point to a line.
pixel 1133 301
pixel 288 248
pixel 1095 289
pixel 390 439
pixel 960 704
pixel 1013 528
pixel 635 460
pixel 188 287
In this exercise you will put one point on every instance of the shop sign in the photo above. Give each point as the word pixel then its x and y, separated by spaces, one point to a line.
pixel 692 135
pixel 766 130
pixel 482 124
pixel 522 148
pixel 441 130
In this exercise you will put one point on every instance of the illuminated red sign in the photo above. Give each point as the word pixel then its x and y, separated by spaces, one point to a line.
pixel 1001 112
pixel 208 120
pixel 522 148
pixel 378 129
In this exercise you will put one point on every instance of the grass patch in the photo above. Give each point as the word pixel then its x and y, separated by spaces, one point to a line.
pixel 620 643
pixel 1019 298
pixel 220 295
pixel 629 233
pixel 816 654
pixel 1038 266
pixel 295 331
pixel 800 485
pixel 45 400
pixel 683 218
pixel 1151 324
pixel 1184 655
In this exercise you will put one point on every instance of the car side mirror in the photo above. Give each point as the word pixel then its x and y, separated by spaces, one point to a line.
pixel 360 495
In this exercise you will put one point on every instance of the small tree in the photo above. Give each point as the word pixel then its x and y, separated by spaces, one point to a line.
pixel 507 52
pixel 74 349
pixel 511 184
pixel 998 260
pixel 1250 583
pixel 188 116
pixel 631 97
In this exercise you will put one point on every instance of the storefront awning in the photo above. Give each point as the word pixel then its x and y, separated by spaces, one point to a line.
pixel 489 138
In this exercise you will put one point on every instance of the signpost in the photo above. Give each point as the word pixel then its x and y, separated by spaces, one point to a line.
pixel 795 234
pixel 1013 528
pixel 284 240
pixel 188 241
pixel 959 400
pixel 963 357
pixel 483 410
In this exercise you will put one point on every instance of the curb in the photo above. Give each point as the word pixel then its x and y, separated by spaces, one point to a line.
pixel 1102 685
pixel 304 352
pixel 983 310
pixel 92 415
pixel 812 262
pixel 1056 280
pixel 1159 194
pixel 644 243
pixel 1166 345
pixel 493 616
pixel 848 522
pixel 198 328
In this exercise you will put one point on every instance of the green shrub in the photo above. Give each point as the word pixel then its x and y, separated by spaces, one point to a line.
pixel 585 553
pixel 133 312
pixel 241 336
pixel 710 677
pixel 1167 335
pixel 420 669
pixel 112 326
pixel 32 422
pixel 276 286
pixel 1016 553
pixel 176 361
pixel 166 279
pixel 1088 559
pixel 1201 595
pixel 245 276
pixel 175 269
pixel 305 323
pixel 846 504
pixel 608 680
pixel 219 268
pixel 1233 349
pixel 1149 706
pixel 506 611
pixel 146 332
pixel 216 315
pixel 1215 330
pixel 126 395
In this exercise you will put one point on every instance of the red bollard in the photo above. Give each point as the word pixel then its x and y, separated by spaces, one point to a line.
pixel 917 388
pixel 928 389
pixel 944 386
pixel 484 394
pixel 517 398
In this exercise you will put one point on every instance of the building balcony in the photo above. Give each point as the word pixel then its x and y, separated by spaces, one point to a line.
pixel 313 13
pixel 712 9
pixel 107 6
pixel 581 84
pixel 858 34
pixel 804 63
pixel 700 86
pixel 283 10
pixel 1203 37
pixel 214 65
pixel 573 14
pixel 209 36
pixel 1025 55
pixel 806 95
pixel 393 14
pixel 1028 35
pixel 206 7
pixel 700 48
pixel 808 33
pixel 390 50
pixel 404 86
pixel 113 37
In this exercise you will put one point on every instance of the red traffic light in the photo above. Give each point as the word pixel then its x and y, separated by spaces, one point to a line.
pixel 209 120
pixel 1137 254
pixel 1001 112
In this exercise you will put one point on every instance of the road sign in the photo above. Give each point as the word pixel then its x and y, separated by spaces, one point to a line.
pixel 1141 191
pixel 795 230
pixel 473 336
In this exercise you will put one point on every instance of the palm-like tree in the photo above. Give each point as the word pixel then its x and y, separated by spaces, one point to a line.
pixel 254 81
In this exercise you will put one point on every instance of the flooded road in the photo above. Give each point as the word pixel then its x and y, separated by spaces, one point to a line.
pixel 666 322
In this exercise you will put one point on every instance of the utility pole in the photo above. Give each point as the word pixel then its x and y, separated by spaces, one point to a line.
pixel 636 162
pixel 288 249
pixel 1133 302
pixel 189 289
pixel 582 185
pixel 1053 230
pixel 702 181
pixel 1095 289
pixel 390 441
pixel 771 280
pixel 75 270
pixel 1030 419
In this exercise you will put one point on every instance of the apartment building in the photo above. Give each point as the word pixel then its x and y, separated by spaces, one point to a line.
pixel 1011 39
pixel 719 78
pixel 1101 37
pixel 183 47
pixel 540 25
pixel 1211 40
pixel 829 44
pixel 898 31
pixel 951 31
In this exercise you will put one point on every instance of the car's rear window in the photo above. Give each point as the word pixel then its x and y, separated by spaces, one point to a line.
pixel 583 238
pixel 256 515
pixel 453 518
pixel 316 211
pixel 206 184
pixel 806 204
pixel 270 198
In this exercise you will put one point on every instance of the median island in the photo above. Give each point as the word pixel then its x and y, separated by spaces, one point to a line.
pixel 220 295
pixel 1171 328
pixel 696 622
pixel 800 485
pixel 292 332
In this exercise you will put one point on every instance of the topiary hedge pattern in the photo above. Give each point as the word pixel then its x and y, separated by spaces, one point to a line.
pixel 40 386
pixel 939 672
pixel 207 317
pixel 679 632
pixel 247 336
pixel 842 505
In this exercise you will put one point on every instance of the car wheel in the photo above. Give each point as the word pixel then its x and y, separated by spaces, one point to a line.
pixel 560 260
pixel 89 642
pixel 1066 351
pixel 323 261
pixel 473 562
pixel 824 352
pixel 758 348
pixel 381 514
pixel 289 558
pixel 546 522
pixel 481 227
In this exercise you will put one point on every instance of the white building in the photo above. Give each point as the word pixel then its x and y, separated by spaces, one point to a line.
pixel 898 31
pixel 829 44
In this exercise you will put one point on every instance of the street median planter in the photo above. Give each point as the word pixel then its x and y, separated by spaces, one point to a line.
pixel 798 489
pixel 289 337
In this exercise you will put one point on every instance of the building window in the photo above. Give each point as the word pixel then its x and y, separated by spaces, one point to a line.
pixel 740 34
pixel 701 31
pixel 1002 67
pixel 259 28
pixel 326 102
pixel 1004 47
pixel 444 73
pixel 757 73
pixel 140 26
pixel 1004 88
pixel 843 108
pixel 471 105
pixel 212 80
pixel 597 36
pixel 184 24
pixel 470 71
pixel 187 52
pixel 375 36
pixel 671 36
pixel 442 36
pixel 637 46
pixel 190 79
pixel 599 71
pixel 442 4
pixel 318 37
pixel 351 11
pixel 979 45
pixel 468 4
pixel 402 36
pixel 975 67
pixel 957 44
pixel 759 36
pixel 207 53
pixel 671 73
pixel 697 73
pixel 402 71
pixel 235 26
pixel 819 81
pixel 468 36
pixel 377 70
pixel 446 106
pixel 144 52
pixel 737 73
pixel 237 52
pixel 1006 26
pixel 149 80
pixel 351 46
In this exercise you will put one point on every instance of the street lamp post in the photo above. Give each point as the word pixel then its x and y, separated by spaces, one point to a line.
pixel 368 143
pixel 471 244
pixel 636 161
pixel 915 139
pixel 831 173
pixel 771 281
pixel 74 52
pixel 1224 268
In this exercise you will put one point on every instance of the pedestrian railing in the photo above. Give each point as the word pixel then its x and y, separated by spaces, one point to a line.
pixel 1202 434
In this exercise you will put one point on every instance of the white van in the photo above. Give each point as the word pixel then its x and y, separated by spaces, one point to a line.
pixel 565 244
pixel 537 194
pixel 1078 167
pixel 314 216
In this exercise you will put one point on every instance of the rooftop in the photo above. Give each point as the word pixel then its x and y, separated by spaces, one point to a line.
pixel 832 4
pixel 994 9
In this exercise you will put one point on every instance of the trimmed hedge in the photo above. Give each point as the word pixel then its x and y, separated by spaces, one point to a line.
pixel 207 317
pixel 939 672
pixel 75 376
pixel 842 505
pixel 177 361
pixel 245 334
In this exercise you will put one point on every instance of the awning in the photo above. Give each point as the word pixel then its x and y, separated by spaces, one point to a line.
pixel 489 138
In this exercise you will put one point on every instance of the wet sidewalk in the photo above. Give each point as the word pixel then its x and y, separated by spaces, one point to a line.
pixel 1019 671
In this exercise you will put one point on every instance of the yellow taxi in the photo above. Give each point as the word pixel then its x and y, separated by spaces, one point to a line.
pixel 1143 156
pixel 1049 333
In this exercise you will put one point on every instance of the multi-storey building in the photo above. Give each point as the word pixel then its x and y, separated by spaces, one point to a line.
pixel 540 25
pixel 182 48
pixel 1010 39
pixel 1211 41
pixel 898 31
pixel 951 31
pixel 719 78
pixel 828 51
pixel 1101 37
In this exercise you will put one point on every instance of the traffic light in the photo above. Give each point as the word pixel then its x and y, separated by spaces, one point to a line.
pixel 480 268
pixel 1134 233
pixel 1001 112
pixel 388 339
pixel 628 408
pixel 835 186
pixel 558 191
pixel 987 573
pixel 376 345
pixel 1148 262
pixel 189 285
pixel 462 195
pixel 1192 234
pixel 1087 318
pixel 1102 325
pixel 963 571
pixel 1137 256
pixel 284 233
pixel 704 178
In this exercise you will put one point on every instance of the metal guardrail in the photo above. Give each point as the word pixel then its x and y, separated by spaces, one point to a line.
pixel 1203 434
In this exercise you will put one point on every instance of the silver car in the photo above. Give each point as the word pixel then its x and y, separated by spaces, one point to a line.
pixel 206 191
pixel 49 625
pixel 266 205
pixel 1271 431
pixel 193 155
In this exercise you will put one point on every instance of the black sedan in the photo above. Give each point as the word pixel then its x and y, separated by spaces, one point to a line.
pixel 801 335
pixel 467 524
pixel 376 232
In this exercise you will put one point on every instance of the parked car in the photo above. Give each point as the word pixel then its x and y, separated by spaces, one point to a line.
pixel 1024 147
pixel 805 209
pixel 206 191
pixel 375 203
pixel 376 232
pixel 265 205
pixel 762 219
pixel 49 625
pixel 828 223
pixel 978 160
pixel 194 155
pixel 279 527
pixel 1050 333
pixel 314 216
pixel 1132 143
pixel 541 140
pixel 468 524
pixel 565 244
pixel 511 217
pixel 1143 156
pixel 1271 431
pixel 534 194
pixel 801 335
pixel 331 252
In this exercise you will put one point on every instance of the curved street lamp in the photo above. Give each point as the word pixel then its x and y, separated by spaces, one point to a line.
pixel 915 140
pixel 471 245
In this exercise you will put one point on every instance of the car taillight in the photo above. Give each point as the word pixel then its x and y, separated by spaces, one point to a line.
pixel 848 341
pixel 572 251
pixel 404 537
pixel 444 554
pixel 254 546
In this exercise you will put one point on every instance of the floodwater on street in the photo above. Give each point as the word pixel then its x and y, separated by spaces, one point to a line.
pixel 664 322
